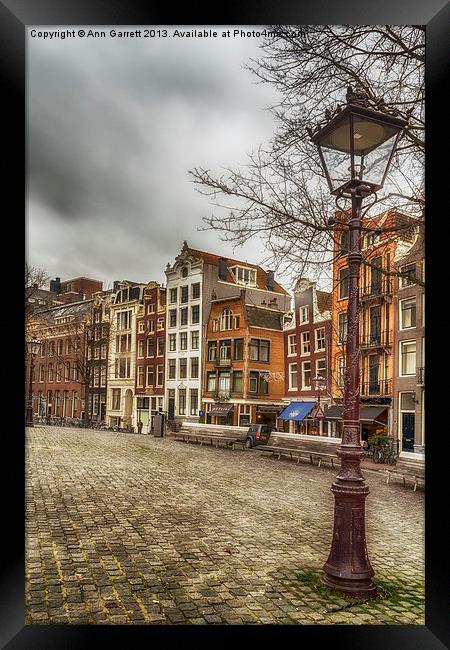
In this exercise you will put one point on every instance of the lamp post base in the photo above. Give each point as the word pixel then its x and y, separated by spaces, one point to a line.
pixel 348 568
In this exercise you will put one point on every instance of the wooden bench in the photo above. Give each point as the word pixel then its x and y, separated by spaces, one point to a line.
pixel 299 453
pixel 191 434
pixel 408 468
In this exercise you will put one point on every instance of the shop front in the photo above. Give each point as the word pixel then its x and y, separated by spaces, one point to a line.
pixel 220 413
pixel 373 420
pixel 298 416
pixel 267 414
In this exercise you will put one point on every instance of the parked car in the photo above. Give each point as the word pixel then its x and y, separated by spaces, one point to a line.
pixel 257 434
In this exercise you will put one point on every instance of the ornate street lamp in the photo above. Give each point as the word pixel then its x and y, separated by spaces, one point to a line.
pixel 33 349
pixel 356 146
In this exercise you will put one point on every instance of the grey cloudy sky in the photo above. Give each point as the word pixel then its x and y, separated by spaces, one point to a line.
pixel 113 127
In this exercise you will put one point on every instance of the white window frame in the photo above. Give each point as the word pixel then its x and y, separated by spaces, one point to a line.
pixel 402 326
pixel 304 386
pixel 321 338
pixel 400 352
pixel 304 314
pixel 305 342
pixel 291 374
pixel 292 345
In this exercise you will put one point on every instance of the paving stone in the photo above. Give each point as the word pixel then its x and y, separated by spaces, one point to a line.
pixel 110 541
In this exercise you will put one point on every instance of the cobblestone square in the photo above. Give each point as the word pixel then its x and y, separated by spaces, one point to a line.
pixel 129 529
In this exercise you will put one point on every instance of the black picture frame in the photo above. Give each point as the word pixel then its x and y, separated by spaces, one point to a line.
pixel 15 16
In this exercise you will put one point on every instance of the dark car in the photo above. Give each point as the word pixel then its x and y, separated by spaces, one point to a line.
pixel 257 434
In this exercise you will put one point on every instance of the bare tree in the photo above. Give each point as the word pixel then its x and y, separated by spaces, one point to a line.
pixel 280 196
pixel 35 279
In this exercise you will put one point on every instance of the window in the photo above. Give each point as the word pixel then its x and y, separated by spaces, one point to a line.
pixel 408 270
pixel 182 401
pixel 103 376
pixel 344 283
pixel 407 313
pixel 173 295
pixel 195 314
pixel 151 375
pixel 211 382
pixel 259 383
pixel 123 343
pixel 306 375
pixel 408 357
pixel 172 317
pixel 374 374
pixel 115 401
pixel 341 371
pixel 195 340
pixel 407 402
pixel 159 375
pixel 305 343
pixel 342 320
pixel 184 294
pixel 122 368
pixel 345 242
pixel 140 376
pixel 195 291
pixel 51 349
pixel 375 275
pixel 183 368
pixel 159 346
pixel 184 272
pixel 194 401
pixel 172 368
pixel 292 344
pixel 225 319
pixel 244 275
pixel 103 351
pixel 183 341
pixel 212 350
pixel 60 347
pixel 293 384
pixel 172 342
pixel 59 372
pixel 67 372
pixel 244 414
pixel 42 352
pixel 184 316
pixel 151 308
pixel 224 382
pixel 150 347
pixel 237 381
pixel 225 349
pixel 41 373
pixel 320 338
pixel 160 323
pixel 215 325
pixel 194 367
pixel 238 349
pixel 304 314
pixel 151 326
pixel 141 348
pixel 321 368
pixel 259 350
pixel 50 372
pixel 236 321
pixel 123 320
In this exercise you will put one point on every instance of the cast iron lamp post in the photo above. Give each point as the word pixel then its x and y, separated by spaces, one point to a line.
pixel 356 146
pixel 33 348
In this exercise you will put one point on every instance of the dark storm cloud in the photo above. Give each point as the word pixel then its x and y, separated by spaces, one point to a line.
pixel 113 128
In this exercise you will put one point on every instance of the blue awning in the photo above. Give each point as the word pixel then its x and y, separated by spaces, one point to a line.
pixel 296 410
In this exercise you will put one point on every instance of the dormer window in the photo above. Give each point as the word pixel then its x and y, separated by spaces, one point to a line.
pixel 244 275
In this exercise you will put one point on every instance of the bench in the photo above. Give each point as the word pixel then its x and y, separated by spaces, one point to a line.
pixel 205 435
pixel 408 468
pixel 299 453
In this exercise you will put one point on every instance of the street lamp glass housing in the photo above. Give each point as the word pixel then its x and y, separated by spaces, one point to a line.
pixel 33 347
pixel 356 147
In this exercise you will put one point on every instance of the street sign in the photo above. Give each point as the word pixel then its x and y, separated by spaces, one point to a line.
pixel 319 414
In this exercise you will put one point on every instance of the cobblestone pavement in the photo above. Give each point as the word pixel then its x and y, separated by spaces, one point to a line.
pixel 128 529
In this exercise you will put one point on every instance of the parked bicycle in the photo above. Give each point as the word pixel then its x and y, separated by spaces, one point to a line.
pixel 382 449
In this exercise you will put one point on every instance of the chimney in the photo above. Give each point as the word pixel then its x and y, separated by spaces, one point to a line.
pixel 222 268
pixel 270 280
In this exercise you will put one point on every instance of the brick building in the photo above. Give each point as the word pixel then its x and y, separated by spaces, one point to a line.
pixel 61 375
pixel 150 350
pixel 307 356
pixel 243 369
pixel 194 281
pixel 409 345
pixel 97 344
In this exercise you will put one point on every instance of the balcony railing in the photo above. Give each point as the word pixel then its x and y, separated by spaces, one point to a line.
pixel 421 376
pixel 382 288
pixel 376 340
pixel 377 388
pixel 222 363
